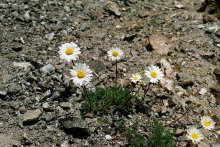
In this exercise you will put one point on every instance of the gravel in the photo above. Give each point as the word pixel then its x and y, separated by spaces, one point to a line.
pixel 40 105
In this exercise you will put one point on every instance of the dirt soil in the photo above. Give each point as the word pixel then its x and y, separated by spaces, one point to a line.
pixel 37 97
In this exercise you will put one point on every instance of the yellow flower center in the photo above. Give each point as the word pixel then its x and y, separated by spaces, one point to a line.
pixel 69 51
pixel 115 53
pixel 206 123
pixel 135 78
pixel 195 136
pixel 153 74
pixel 81 74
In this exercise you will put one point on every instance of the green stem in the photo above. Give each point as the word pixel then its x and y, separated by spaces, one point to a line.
pixel 116 73
pixel 146 90
pixel 137 91
pixel 85 96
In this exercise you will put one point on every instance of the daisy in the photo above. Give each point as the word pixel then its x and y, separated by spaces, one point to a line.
pixel 154 73
pixel 135 78
pixel 115 54
pixel 195 135
pixel 81 73
pixel 207 122
pixel 69 51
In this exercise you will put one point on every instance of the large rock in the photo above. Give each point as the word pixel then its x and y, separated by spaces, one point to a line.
pixel 75 126
pixel 6 141
pixel 31 116
pixel 160 44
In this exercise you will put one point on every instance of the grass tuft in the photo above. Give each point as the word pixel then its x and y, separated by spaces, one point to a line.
pixel 103 99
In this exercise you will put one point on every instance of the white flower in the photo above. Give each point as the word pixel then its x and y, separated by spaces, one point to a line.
pixel 207 122
pixel 81 73
pixel 154 73
pixel 195 135
pixel 115 54
pixel 135 78
pixel 69 51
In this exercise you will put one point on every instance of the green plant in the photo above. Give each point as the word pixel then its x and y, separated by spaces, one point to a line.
pixel 120 126
pixel 159 137
pixel 103 99
pixel 135 139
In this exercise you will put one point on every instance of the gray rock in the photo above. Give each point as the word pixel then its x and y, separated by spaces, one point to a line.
pixel 14 88
pixel 6 141
pixel 46 106
pixel 49 36
pixel 55 95
pixel 22 109
pixel 65 105
pixel 65 144
pixel 49 116
pixel 112 7
pixel 75 126
pixel 3 92
pixel 31 116
pixel 24 65
pixel 97 65
pixel 48 69
pixel 184 80
pixel 27 16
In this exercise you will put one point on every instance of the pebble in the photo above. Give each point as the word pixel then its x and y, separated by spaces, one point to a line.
pixel 31 116
pixel 65 144
pixel 108 137
pixel 49 116
pixel 49 36
pixel 14 88
pixel 75 126
pixel 48 69
pixel 24 65
pixel 65 105
pixel 3 92
pixel 112 7
pixel 203 91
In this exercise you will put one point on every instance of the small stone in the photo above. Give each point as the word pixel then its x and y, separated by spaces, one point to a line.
pixel 112 7
pixel 167 66
pixel 65 144
pixel 3 92
pixel 24 65
pixel 203 91
pixel 97 65
pixel 144 13
pixel 49 36
pixel 48 69
pixel 212 29
pixel 27 16
pixel 65 105
pixel 46 106
pixel 108 137
pixel 180 6
pixel 202 144
pixel 31 116
pixel 55 95
pixel 216 144
pixel 49 116
pixel 179 132
pixel 169 84
pixel 217 71
pixel 75 126
pixel 14 88
pixel 184 80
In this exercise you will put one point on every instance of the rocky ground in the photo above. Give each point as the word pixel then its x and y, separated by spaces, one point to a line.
pixel 39 106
